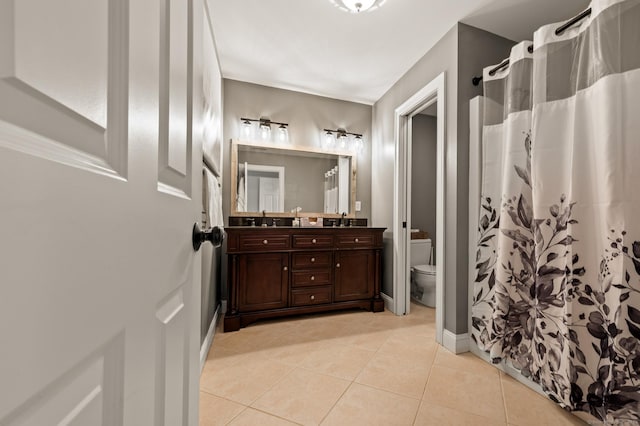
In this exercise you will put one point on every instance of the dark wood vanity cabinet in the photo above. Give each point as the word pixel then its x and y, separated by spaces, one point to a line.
pixel 355 269
pixel 276 272
pixel 263 281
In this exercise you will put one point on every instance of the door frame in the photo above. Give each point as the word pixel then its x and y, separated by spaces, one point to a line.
pixel 433 92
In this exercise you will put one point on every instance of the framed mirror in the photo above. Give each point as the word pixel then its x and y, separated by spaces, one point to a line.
pixel 280 180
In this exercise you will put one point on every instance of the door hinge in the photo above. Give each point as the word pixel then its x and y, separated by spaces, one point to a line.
pixel 404 225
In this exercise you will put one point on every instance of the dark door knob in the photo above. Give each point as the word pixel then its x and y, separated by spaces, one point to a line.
pixel 214 235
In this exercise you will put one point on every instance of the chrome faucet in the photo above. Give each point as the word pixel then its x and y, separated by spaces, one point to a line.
pixel 252 221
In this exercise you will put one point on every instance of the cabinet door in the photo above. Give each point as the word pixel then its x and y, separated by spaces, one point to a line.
pixel 354 275
pixel 263 281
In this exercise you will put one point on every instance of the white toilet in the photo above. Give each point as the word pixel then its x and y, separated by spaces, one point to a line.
pixel 423 274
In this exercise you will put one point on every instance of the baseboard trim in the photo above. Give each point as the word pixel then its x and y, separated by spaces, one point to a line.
pixel 456 343
pixel 206 345
pixel 388 302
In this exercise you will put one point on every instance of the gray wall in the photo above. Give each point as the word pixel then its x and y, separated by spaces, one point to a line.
pixel 307 115
pixel 461 53
pixel 423 174
pixel 211 257
pixel 441 58
pixel 476 49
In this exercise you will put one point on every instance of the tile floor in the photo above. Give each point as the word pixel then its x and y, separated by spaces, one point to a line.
pixel 359 368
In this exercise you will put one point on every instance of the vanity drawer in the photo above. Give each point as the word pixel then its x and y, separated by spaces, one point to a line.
pixel 356 240
pixel 266 242
pixel 312 241
pixel 311 296
pixel 309 278
pixel 311 259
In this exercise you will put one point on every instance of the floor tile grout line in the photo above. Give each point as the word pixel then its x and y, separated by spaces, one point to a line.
pixel 237 415
pixel 335 403
pixel 504 399
pixel 388 391
pixel 462 409
pixel 281 379
pixel 426 384
pixel 415 418
pixel 275 415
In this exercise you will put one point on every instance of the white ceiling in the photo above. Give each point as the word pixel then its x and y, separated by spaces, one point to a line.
pixel 311 46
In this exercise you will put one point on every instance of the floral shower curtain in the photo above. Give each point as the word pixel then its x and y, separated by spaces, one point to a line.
pixel 557 292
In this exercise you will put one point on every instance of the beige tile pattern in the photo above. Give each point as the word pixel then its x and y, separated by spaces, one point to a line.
pixel 479 394
pixel 244 382
pixel 215 411
pixel 251 417
pixel 528 408
pixel 362 405
pixel 431 414
pixel 303 396
pixel 388 373
pixel 359 368
pixel 338 360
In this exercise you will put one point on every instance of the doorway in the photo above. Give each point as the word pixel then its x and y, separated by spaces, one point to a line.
pixel 429 98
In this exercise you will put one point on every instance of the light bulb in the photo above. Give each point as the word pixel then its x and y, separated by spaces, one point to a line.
pixel 283 133
pixel 329 138
pixel 359 143
pixel 342 138
pixel 245 129
pixel 265 131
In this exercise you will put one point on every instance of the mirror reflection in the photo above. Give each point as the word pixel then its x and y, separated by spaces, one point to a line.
pixel 279 180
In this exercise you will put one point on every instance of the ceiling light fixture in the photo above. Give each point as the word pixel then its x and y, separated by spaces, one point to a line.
pixel 357 6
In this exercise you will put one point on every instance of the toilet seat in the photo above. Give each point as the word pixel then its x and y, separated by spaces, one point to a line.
pixel 425 269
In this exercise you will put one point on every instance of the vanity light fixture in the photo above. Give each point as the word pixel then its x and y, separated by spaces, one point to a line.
pixel 357 6
pixel 345 139
pixel 264 129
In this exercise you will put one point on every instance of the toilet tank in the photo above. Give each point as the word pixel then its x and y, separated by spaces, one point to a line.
pixel 420 252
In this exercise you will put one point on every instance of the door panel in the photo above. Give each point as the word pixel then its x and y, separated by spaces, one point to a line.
pixel 355 277
pixel 171 347
pixel 55 100
pixel 80 395
pixel 99 318
pixel 174 169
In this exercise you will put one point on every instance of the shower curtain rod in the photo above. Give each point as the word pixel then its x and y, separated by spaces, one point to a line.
pixel 561 29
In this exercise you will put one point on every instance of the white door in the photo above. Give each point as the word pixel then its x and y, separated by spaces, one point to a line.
pixel 268 194
pixel 99 158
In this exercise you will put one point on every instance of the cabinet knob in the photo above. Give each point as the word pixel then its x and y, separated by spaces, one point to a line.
pixel 313 278
pixel 312 297
pixel 265 241
pixel 313 259
pixel 337 265
pixel 356 240
pixel 313 241
pixel 285 268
